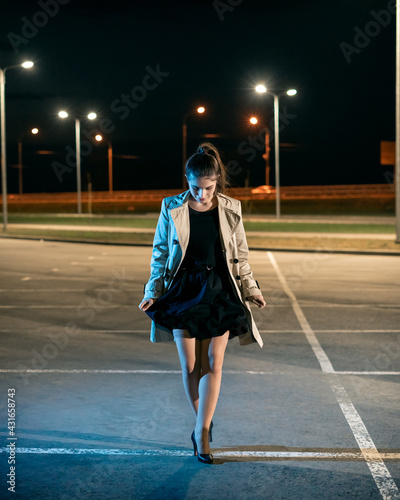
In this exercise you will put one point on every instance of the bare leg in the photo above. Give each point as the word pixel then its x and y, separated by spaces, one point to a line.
pixel 189 356
pixel 212 359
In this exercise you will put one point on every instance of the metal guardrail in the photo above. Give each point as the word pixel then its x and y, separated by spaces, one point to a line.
pixel 287 193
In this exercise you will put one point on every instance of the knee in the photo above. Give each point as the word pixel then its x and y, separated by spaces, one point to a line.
pixel 213 364
pixel 190 366
pixel 189 369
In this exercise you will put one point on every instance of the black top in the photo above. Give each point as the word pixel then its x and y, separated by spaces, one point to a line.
pixel 204 242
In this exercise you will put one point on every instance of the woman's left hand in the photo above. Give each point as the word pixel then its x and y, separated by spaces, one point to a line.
pixel 258 300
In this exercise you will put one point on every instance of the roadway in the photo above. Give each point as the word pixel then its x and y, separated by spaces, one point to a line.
pixel 101 411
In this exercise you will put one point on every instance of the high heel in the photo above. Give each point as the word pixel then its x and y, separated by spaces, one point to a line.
pixel 194 444
pixel 205 458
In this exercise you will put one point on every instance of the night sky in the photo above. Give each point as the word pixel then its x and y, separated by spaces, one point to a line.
pixel 340 56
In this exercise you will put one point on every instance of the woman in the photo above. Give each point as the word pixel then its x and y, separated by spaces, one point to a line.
pixel 200 285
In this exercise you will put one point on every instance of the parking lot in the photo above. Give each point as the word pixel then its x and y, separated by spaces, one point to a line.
pixel 101 412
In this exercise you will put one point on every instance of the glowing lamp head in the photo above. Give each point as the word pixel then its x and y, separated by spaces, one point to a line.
pixel 291 92
pixel 92 116
pixel 201 109
pixel 261 89
pixel 98 137
pixel 253 120
pixel 27 64
pixel 63 114
pixel 35 131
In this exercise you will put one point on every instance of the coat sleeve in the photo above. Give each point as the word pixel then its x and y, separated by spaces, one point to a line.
pixel 249 284
pixel 154 287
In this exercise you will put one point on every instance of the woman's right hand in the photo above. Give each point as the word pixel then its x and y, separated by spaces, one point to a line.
pixel 146 303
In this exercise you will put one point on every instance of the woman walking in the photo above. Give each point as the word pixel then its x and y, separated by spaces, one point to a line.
pixel 201 284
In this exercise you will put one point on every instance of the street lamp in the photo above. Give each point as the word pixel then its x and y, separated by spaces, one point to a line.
pixel 262 90
pixel 200 110
pixel 254 121
pixel 34 131
pixel 99 138
pixel 90 116
pixel 26 64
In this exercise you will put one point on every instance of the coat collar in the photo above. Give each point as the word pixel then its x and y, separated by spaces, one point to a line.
pixel 228 212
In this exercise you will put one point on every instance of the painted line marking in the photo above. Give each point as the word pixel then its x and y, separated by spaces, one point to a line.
pixel 63 306
pixel 377 467
pixel 304 455
pixel 365 373
pixel 292 330
pixel 50 370
pixel 230 372
pixel 312 339
pixel 51 290
pixel 380 473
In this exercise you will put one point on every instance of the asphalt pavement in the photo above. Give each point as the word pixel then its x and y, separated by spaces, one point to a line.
pixel 101 412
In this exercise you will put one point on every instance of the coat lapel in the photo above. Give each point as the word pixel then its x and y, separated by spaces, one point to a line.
pixel 180 215
pixel 228 221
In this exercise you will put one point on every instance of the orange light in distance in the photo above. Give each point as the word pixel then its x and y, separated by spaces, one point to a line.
pixel 201 109
pixel 253 120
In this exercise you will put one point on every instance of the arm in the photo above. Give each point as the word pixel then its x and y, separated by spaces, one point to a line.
pixel 154 286
pixel 250 287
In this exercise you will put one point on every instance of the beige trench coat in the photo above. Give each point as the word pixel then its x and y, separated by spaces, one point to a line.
pixel 169 246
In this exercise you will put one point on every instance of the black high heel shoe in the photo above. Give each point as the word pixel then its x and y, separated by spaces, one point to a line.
pixel 210 432
pixel 194 444
pixel 205 458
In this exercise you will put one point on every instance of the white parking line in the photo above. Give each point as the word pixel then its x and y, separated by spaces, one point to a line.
pixel 291 455
pixel 343 372
pixel 312 339
pixel 147 331
pixel 61 306
pixel 231 372
pixel 163 372
pixel 382 477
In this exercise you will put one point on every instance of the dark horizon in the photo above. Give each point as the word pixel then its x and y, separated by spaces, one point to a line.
pixel 91 55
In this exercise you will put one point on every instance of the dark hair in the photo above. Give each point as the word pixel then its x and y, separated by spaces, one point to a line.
pixel 206 162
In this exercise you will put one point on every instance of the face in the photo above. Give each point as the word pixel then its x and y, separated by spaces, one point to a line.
pixel 202 188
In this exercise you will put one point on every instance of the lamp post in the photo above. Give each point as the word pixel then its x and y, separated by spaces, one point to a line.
pixel 199 110
pixel 34 131
pixel 397 130
pixel 27 65
pixel 262 89
pixel 99 138
pixel 254 121
pixel 90 116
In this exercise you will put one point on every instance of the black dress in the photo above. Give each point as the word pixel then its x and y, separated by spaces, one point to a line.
pixel 201 298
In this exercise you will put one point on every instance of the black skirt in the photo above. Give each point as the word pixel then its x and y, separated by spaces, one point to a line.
pixel 201 300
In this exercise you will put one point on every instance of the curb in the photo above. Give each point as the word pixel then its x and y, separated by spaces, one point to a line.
pixel 256 249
